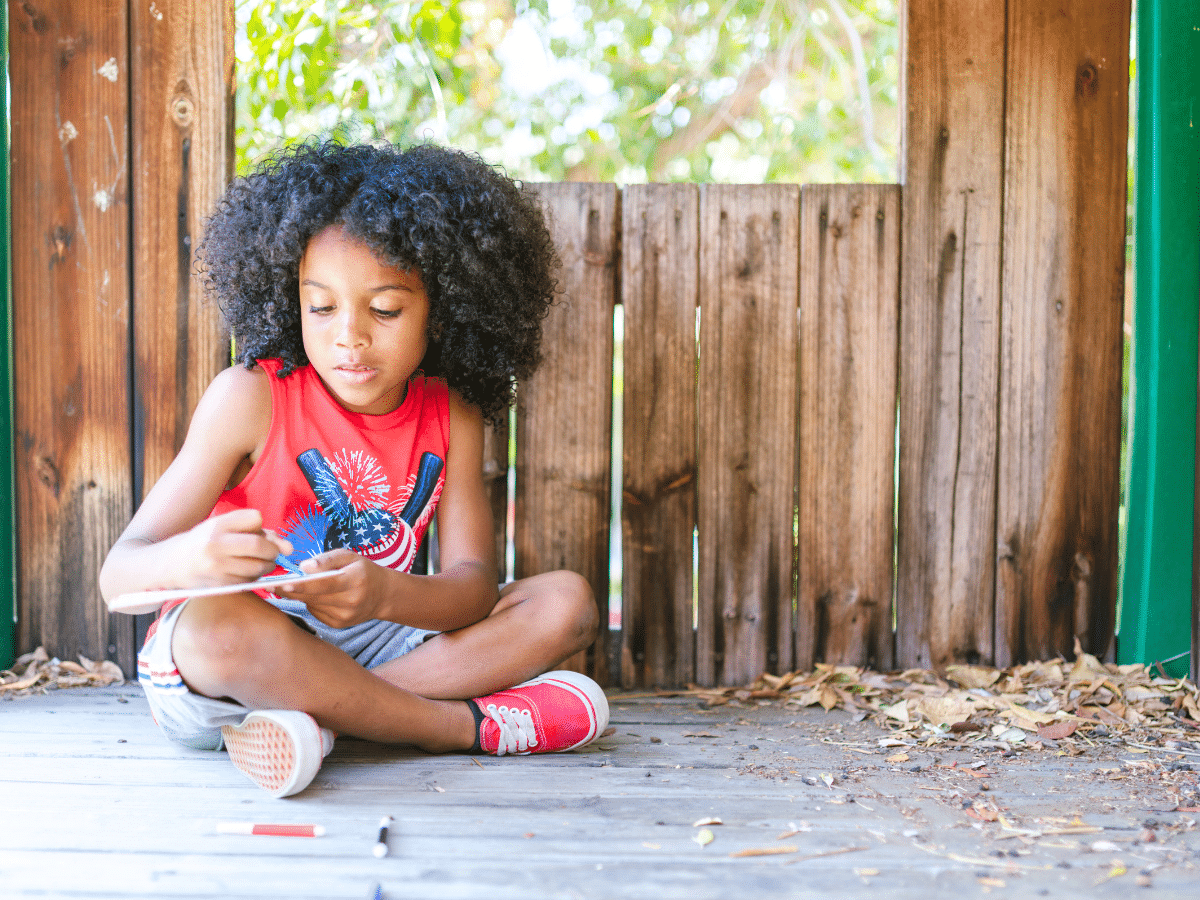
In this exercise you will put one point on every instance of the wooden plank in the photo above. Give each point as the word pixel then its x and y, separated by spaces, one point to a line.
pixel 564 414
pixel 749 249
pixel 950 328
pixel 1060 388
pixel 495 480
pixel 70 208
pixel 849 302
pixel 182 125
pixel 659 290
pixel 182 106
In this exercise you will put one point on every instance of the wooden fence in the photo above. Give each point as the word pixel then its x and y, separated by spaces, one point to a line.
pixel 861 424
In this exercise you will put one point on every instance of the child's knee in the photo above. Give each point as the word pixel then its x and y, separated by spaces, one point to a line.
pixel 574 606
pixel 219 641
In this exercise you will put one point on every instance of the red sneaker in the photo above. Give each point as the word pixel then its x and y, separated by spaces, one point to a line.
pixel 553 712
pixel 280 750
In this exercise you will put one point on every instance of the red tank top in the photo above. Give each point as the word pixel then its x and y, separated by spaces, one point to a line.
pixel 329 478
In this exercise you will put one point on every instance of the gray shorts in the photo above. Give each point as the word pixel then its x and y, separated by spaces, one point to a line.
pixel 195 721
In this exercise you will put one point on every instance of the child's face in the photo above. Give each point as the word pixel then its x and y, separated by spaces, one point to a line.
pixel 363 322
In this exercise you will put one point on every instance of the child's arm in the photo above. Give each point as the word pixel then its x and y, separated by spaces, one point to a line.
pixel 170 542
pixel 465 590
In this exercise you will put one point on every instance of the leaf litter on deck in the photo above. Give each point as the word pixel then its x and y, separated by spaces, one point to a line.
pixel 38 672
pixel 1052 705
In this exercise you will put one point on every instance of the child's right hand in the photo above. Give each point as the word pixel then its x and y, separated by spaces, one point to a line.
pixel 231 547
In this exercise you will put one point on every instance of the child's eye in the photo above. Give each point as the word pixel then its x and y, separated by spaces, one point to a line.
pixel 320 310
pixel 386 313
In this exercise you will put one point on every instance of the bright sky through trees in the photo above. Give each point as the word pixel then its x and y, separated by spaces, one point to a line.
pixel 613 90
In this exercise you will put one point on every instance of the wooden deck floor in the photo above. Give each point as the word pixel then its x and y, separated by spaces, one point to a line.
pixel 96 804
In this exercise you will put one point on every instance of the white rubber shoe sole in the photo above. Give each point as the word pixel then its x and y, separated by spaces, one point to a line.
pixel 280 750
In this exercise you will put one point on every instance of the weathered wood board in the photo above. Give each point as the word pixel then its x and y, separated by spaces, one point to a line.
pixel 749 265
pixel 495 480
pixel 849 307
pixel 1061 334
pixel 69 70
pixel 564 412
pixel 182 115
pixel 659 291
pixel 950 331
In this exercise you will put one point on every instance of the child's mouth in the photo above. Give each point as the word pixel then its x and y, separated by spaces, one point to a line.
pixel 355 374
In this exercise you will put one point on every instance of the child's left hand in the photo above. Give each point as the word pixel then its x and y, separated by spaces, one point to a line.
pixel 347 599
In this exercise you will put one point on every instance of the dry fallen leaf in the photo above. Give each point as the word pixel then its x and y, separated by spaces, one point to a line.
pixel 1056 731
pixel 897 758
pixel 945 711
pixel 1011 734
pixel 973 676
pixel 707 820
pixel 984 810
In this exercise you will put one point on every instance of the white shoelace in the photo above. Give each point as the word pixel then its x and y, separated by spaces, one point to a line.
pixel 517 733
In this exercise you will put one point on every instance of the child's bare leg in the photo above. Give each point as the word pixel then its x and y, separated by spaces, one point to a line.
pixel 538 623
pixel 242 647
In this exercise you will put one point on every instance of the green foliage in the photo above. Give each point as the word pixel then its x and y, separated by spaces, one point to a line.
pixel 613 90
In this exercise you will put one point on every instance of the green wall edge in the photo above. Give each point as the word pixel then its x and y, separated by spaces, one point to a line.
pixel 1156 586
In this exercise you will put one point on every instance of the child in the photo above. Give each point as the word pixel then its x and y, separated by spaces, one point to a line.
pixel 383 303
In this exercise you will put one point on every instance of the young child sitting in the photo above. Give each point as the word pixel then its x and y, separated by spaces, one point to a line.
pixel 383 303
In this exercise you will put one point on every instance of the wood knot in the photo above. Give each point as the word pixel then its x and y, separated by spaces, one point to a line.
pixel 1087 80
pixel 39 22
pixel 47 474
pixel 183 111
pixel 60 242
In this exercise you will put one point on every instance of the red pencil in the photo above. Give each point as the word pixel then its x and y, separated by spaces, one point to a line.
pixel 263 828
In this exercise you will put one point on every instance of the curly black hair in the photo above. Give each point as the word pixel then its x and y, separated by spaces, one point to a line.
pixel 478 240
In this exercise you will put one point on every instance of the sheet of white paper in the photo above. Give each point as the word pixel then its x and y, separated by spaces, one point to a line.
pixel 149 601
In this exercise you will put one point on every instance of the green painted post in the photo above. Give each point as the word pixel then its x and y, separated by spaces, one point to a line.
pixel 7 502
pixel 1157 576
pixel 8 588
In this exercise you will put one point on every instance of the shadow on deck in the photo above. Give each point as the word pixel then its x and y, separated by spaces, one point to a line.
pixel 97 804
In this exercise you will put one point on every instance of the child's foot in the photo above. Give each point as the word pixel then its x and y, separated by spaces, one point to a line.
pixel 280 750
pixel 553 712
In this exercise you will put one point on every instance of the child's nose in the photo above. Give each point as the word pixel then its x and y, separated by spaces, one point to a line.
pixel 351 332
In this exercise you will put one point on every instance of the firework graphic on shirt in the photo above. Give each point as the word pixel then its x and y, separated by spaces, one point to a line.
pixel 356 508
